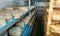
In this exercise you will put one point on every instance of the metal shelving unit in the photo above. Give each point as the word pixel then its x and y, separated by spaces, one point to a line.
pixel 13 21
pixel 26 29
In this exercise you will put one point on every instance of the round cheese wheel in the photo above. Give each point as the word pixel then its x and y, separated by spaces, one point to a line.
pixel 23 8
pixel 16 14
pixel 20 24
pixel 2 21
pixel 15 31
pixel 9 8
pixel 56 15
pixel 26 20
pixel 8 16
pixel 57 2
pixel 28 17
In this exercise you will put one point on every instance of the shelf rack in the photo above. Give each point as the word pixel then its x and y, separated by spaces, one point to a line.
pixel 52 5
pixel 13 21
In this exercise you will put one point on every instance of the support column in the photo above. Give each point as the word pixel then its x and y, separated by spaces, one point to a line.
pixel 49 17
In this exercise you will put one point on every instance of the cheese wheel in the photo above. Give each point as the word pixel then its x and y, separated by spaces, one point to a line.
pixel 15 31
pixel 8 16
pixel 9 8
pixel 55 27
pixel 56 15
pixel 54 22
pixel 23 8
pixel 20 24
pixel 26 20
pixel 16 14
pixel 2 21
pixel 57 2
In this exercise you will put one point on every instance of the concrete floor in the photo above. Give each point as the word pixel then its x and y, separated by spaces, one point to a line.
pixel 38 29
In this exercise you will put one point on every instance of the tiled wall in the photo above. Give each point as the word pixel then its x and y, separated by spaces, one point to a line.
pixel 5 3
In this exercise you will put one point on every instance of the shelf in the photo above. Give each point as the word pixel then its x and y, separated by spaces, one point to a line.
pixel 32 23
pixel 56 6
pixel 55 28
pixel 12 22
pixel 26 27
pixel 33 13
pixel 26 32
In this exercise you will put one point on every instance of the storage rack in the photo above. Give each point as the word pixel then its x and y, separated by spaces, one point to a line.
pixel 13 21
pixel 10 23
pixel 49 19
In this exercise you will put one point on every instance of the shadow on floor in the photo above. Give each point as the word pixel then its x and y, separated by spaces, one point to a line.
pixel 38 29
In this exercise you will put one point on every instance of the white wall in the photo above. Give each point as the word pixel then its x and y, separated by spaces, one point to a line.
pixel 5 3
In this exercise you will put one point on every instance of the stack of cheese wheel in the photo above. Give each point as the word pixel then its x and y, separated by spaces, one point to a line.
pixel 8 16
pixel 20 24
pixel 56 15
pixel 2 20
pixel 15 31
pixel 16 14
